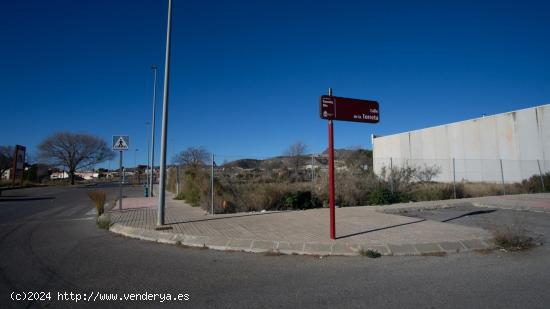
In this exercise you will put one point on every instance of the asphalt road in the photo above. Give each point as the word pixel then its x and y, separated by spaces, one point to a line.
pixel 49 243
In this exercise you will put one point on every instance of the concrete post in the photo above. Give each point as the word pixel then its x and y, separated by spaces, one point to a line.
pixel 391 175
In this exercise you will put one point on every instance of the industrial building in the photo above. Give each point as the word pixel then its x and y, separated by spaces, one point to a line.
pixel 506 147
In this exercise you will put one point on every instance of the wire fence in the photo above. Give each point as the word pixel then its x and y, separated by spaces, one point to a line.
pixel 472 170
pixel 256 183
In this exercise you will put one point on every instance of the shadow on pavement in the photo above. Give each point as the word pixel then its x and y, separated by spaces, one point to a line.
pixel 379 229
pixel 479 212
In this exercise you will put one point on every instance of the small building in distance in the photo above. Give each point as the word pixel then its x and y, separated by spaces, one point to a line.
pixel 507 147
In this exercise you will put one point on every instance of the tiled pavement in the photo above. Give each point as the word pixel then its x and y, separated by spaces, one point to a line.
pixel 306 232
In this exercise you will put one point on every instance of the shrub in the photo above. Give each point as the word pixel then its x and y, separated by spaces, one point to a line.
pixel 194 186
pixel 384 196
pixel 104 222
pixel 370 253
pixel 534 185
pixel 300 200
pixel 98 197
pixel 432 192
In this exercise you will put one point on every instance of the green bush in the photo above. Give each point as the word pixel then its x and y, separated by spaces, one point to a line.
pixel 194 185
pixel 104 221
pixel 384 196
pixel 534 185
pixel 300 200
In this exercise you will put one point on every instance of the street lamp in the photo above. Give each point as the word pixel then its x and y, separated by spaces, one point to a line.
pixel 162 183
pixel 148 170
pixel 152 153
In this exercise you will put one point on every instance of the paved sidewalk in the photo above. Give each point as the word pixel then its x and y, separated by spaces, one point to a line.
pixel 539 202
pixel 306 232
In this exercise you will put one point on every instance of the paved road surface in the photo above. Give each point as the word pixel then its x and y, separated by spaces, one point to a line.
pixel 52 244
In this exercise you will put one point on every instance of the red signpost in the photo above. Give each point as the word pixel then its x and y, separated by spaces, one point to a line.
pixel 346 109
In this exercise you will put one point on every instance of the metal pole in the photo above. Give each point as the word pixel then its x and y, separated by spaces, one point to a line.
pixel 148 170
pixel 331 175
pixel 212 186
pixel 177 179
pixel 541 178
pixel 391 175
pixel 454 179
pixel 502 177
pixel 164 135
pixel 152 154
pixel 312 168
pixel 120 185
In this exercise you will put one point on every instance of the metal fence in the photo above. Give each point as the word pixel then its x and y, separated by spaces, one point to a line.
pixel 472 170
pixel 243 174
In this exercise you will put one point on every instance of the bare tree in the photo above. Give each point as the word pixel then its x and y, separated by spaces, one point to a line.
pixel 6 158
pixel 296 153
pixel 75 151
pixel 193 157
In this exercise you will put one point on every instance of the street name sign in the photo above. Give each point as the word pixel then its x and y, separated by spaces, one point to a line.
pixel 121 142
pixel 347 109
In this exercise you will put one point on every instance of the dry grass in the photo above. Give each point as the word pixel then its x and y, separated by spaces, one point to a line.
pixel 98 197
pixel 513 237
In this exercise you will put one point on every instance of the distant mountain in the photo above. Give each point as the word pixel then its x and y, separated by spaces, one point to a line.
pixel 280 161
pixel 244 163
pixel 338 152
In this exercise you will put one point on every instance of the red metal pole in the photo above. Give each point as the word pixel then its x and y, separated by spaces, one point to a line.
pixel 331 179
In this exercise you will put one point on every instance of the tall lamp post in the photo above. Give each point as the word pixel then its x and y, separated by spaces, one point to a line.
pixel 152 154
pixel 136 173
pixel 148 170
pixel 162 183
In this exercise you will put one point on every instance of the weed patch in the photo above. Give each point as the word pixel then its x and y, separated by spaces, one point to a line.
pixel 373 254
pixel 98 197
pixel 513 237
pixel 104 222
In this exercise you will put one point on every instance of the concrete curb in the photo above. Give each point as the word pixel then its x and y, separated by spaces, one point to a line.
pixel 303 248
pixel 516 208
pixel 442 204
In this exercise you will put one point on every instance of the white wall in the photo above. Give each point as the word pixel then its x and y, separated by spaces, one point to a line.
pixel 519 139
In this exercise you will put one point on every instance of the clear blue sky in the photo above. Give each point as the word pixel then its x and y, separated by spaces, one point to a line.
pixel 247 75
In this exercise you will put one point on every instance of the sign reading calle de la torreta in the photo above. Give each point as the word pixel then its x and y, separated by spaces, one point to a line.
pixel 346 109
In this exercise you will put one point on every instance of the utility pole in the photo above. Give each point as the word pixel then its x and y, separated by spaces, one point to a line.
pixel 152 167
pixel 164 135
pixel 148 170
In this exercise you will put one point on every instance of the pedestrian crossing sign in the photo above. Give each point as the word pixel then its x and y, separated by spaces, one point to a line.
pixel 121 142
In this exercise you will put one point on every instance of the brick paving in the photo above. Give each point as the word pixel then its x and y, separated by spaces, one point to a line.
pixel 303 232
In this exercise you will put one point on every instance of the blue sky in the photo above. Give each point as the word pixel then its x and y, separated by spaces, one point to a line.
pixel 247 75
